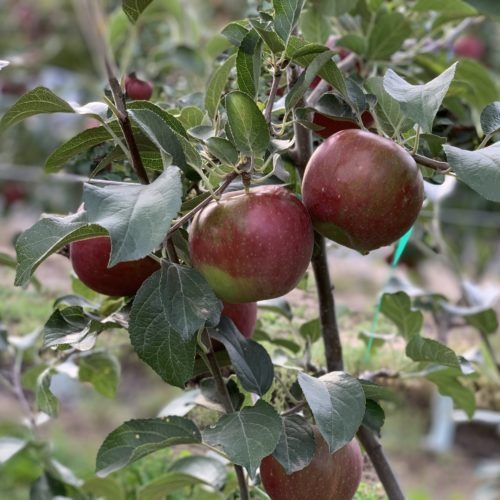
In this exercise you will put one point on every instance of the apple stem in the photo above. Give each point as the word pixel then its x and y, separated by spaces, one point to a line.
pixel 214 368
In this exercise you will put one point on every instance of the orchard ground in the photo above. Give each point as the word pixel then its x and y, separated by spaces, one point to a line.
pixel 87 417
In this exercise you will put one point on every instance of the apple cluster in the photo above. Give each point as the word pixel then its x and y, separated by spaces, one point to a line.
pixel 359 189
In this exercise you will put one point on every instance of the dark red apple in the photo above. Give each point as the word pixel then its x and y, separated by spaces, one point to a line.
pixel 333 125
pixel 13 192
pixel 244 316
pixel 90 263
pixel 137 89
pixel 362 190
pixel 252 245
pixel 469 46
pixel 327 477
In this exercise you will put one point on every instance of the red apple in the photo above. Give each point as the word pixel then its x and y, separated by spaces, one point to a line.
pixel 13 192
pixel 252 245
pixel 327 477
pixel 469 46
pixel 333 125
pixel 362 190
pixel 244 316
pixel 90 262
pixel 137 89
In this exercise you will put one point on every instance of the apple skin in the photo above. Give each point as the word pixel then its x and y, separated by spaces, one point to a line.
pixel 137 89
pixel 244 316
pixel 469 46
pixel 327 477
pixel 90 262
pixel 333 125
pixel 252 246
pixel 362 190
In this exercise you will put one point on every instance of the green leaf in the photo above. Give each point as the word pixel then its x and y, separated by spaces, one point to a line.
pixel 374 416
pixel 296 445
pixel 223 150
pixel 248 62
pixel 9 446
pixel 211 393
pixel 246 123
pixel 490 118
pixel 167 311
pixel 377 392
pixel 474 84
pixel 337 402
pixel 77 144
pixel 48 236
pixel 306 78
pixel 311 330
pixel 137 217
pixel 336 7
pixel 209 470
pixel 314 26
pixel 104 488
pixel 45 400
pixel 165 485
pixel 268 35
pixel 191 116
pixel 446 6
pixel 216 85
pixel 137 438
pixel 419 102
pixel 134 8
pixel 235 32
pixel 389 32
pixel 286 16
pixel 480 169
pixel 355 43
pixel 37 101
pixel 488 7
pixel 71 326
pixel 481 316
pixel 387 110
pixel 250 360
pixel 424 349
pixel 174 123
pixel 166 139
pixel 278 306
pixel 303 53
pixel 397 307
pixel 246 436
pixel 102 370
pixel 449 385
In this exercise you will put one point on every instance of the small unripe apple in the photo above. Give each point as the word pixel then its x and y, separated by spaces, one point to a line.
pixel 252 245
pixel 244 316
pixel 137 89
pixel 328 477
pixel 469 46
pixel 90 262
pixel 362 190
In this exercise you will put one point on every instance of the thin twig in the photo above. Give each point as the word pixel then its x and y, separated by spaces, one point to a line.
pixel 272 95
pixel 294 409
pixel 214 368
pixel 440 166
pixel 185 218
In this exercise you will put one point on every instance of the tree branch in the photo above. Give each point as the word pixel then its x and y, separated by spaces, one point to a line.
pixel 301 154
pixel 373 448
pixel 328 319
